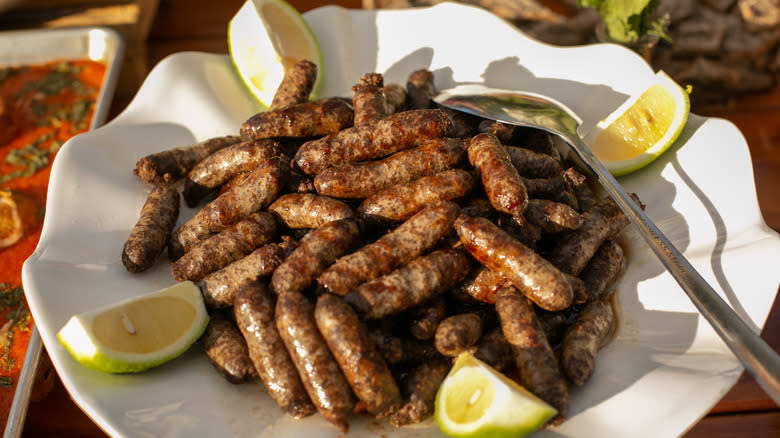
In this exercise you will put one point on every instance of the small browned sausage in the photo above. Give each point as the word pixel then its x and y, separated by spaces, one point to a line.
pixel 603 269
pixel 575 249
pixel 233 182
pixel 416 351
pixel 532 164
pixel 360 180
pixel 369 102
pixel 559 188
pixel 425 317
pixel 551 216
pixel 298 182
pixel 412 238
pixel 464 125
pixel 376 139
pixel 398 350
pixel 458 333
pixel 577 288
pixel 503 186
pixel 289 243
pixel 225 247
pixel 504 132
pixel 537 278
pixel 296 85
pixel 257 190
pixel 395 97
pixel 227 350
pixel 172 164
pixel 218 168
pixel 527 233
pixel 288 145
pixel 420 89
pixel 537 140
pixel 150 234
pixel 304 120
pixel 554 324
pixel 387 343
pixel 419 280
pixel 420 386
pixel 320 373
pixel 220 287
pixel 585 336
pixel 254 311
pixel 586 197
pixel 493 349
pixel 308 210
pixel 401 201
pixel 482 283
pixel 572 178
pixel 356 354
pixel 316 251
pixel 479 207
pixel 536 363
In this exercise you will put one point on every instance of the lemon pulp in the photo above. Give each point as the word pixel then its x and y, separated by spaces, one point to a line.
pixel 137 334
pixel 471 395
pixel 144 326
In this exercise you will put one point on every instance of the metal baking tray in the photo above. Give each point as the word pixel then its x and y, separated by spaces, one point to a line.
pixel 38 46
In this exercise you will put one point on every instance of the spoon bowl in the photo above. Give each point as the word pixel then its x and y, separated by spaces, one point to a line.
pixel 519 108
pixel 538 111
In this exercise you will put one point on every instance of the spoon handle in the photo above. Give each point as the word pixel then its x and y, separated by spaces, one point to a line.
pixel 758 357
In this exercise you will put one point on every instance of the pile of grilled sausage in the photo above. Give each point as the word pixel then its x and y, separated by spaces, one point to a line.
pixel 349 249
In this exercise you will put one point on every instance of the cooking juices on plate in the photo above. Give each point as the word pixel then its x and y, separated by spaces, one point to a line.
pixel 349 244
pixel 41 106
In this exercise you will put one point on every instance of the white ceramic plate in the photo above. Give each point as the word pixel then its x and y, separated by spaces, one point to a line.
pixel 663 371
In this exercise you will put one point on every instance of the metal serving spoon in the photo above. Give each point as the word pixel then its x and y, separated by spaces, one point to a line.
pixel 538 111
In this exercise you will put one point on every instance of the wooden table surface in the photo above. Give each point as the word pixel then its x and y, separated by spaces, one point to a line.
pixel 200 25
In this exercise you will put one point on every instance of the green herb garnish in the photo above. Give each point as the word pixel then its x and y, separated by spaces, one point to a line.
pixel 627 21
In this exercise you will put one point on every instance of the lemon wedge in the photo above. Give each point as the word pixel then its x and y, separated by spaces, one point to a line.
pixel 139 333
pixel 475 400
pixel 265 38
pixel 641 129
